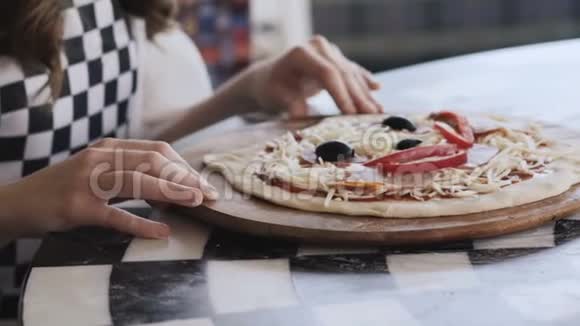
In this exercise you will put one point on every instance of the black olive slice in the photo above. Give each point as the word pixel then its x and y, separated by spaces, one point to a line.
pixel 334 151
pixel 399 123
pixel 408 143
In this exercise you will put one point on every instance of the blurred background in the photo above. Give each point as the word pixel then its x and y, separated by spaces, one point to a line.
pixel 380 34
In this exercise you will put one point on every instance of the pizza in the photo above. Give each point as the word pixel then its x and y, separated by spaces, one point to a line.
pixel 396 166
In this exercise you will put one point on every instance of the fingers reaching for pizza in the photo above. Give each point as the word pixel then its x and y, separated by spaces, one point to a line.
pixel 288 81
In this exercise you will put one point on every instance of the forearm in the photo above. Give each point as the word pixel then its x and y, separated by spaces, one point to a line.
pixel 233 98
pixel 24 212
pixel 11 226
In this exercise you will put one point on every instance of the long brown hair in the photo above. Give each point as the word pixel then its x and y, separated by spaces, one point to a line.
pixel 31 30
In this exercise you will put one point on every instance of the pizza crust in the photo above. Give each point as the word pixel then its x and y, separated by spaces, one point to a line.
pixel 233 165
pixel 564 174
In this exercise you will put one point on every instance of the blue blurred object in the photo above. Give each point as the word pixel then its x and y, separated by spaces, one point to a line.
pixel 221 30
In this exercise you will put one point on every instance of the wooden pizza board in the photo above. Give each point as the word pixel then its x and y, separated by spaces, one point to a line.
pixel 246 214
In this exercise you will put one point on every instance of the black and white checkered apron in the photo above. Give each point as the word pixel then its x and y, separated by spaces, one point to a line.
pixel 100 82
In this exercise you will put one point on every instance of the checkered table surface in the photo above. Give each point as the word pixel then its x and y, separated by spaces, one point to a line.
pixel 203 276
pixel 211 277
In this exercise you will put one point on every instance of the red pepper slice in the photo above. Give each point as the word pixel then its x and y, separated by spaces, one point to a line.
pixel 455 128
pixel 421 159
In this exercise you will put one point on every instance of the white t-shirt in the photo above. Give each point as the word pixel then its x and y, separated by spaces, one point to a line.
pixel 175 76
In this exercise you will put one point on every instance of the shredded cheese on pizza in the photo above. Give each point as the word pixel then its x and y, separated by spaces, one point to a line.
pixel 507 156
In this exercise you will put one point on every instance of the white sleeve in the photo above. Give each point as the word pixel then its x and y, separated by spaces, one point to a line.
pixel 175 77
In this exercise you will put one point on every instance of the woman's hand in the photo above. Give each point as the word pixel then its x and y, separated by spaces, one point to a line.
pixel 285 83
pixel 77 191
pixel 288 81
